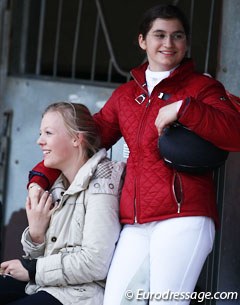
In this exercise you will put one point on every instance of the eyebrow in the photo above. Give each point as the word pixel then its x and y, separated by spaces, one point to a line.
pixel 162 31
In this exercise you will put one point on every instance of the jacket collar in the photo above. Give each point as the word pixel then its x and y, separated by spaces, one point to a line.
pixel 83 176
pixel 138 73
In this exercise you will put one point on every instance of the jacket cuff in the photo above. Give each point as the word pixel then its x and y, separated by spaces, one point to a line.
pixel 30 265
pixel 50 271
pixel 38 178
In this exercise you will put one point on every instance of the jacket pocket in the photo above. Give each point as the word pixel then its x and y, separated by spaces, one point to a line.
pixel 177 190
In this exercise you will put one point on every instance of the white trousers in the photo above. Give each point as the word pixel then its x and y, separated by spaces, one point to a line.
pixel 158 258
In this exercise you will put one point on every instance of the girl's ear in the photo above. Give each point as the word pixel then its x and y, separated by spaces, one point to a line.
pixel 77 139
pixel 141 42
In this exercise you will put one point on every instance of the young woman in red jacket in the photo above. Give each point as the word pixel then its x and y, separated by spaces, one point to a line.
pixel 169 216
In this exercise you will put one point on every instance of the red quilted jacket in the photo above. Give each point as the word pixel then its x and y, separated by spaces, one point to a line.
pixel 152 191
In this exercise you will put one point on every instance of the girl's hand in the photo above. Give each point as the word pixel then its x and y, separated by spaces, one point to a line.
pixel 39 211
pixel 167 115
pixel 34 190
pixel 15 269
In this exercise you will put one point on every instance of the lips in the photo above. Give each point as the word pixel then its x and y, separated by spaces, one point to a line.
pixel 167 52
pixel 46 152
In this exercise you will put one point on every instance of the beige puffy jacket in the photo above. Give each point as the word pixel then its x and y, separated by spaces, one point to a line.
pixel 73 261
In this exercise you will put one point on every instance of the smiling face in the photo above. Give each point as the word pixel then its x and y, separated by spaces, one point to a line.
pixel 165 44
pixel 57 144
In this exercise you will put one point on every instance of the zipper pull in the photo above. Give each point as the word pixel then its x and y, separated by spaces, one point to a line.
pixel 179 208
pixel 135 211
pixel 148 103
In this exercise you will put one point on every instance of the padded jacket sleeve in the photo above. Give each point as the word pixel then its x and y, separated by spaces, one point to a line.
pixel 211 115
pixel 43 176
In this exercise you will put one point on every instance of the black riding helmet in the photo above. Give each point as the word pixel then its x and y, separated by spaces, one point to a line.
pixel 185 151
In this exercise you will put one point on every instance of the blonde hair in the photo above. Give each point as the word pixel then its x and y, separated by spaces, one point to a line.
pixel 78 119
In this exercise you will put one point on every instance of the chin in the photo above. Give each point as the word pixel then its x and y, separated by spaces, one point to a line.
pixel 48 164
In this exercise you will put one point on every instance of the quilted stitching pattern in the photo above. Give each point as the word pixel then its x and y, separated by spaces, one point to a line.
pixel 147 191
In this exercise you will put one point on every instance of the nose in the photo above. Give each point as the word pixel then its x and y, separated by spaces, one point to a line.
pixel 40 140
pixel 168 41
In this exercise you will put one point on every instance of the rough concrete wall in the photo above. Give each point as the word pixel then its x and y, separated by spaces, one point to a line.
pixel 229 48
